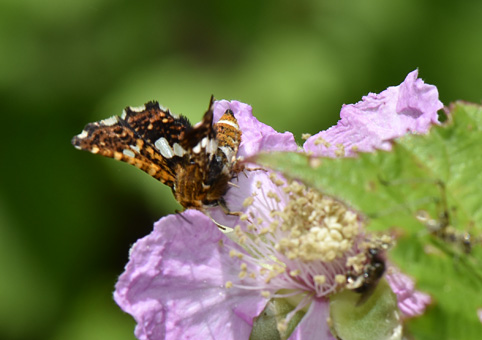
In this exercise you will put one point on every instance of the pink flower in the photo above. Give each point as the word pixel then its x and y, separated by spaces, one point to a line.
pixel 410 301
pixel 372 123
pixel 174 283
pixel 188 280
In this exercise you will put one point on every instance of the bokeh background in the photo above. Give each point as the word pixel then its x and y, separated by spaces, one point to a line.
pixel 68 218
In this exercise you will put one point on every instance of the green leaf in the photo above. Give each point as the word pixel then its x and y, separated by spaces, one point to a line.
pixel 377 318
pixel 438 173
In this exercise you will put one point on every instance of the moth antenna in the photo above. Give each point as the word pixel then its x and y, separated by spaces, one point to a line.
pixel 244 169
pixel 255 169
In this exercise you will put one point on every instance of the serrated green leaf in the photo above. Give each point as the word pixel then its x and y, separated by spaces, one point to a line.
pixel 421 172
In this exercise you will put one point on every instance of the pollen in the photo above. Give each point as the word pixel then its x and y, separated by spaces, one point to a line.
pixel 274 196
pixel 320 228
pixel 323 142
pixel 282 326
pixel 319 279
pixel 295 272
pixel 248 201
pixel 340 150
pixel 357 262
pixel 264 231
pixel 276 180
pixel 234 253
pixel 340 279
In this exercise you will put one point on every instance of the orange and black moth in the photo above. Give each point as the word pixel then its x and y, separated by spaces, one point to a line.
pixel 196 162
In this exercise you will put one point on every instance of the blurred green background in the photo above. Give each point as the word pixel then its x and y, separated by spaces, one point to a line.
pixel 68 218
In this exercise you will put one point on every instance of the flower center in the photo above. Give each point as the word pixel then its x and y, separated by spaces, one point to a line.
pixel 318 227
pixel 297 239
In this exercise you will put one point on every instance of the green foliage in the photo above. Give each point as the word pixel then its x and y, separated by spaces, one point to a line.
pixel 377 318
pixel 437 174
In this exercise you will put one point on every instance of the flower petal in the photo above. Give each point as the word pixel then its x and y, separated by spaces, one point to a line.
pixel 410 301
pixel 256 136
pixel 246 185
pixel 378 118
pixel 174 283
pixel 314 324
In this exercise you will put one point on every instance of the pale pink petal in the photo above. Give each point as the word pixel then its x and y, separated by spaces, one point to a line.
pixel 410 301
pixel 174 283
pixel 313 326
pixel 246 184
pixel 379 118
pixel 256 136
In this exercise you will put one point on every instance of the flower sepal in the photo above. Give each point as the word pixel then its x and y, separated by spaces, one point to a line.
pixel 376 317
pixel 269 324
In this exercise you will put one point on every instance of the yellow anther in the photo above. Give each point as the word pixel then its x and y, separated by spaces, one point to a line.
pixel 319 279
pixel 265 294
pixel 248 201
pixel 340 279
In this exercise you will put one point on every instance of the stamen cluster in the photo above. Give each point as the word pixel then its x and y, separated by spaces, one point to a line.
pixel 298 239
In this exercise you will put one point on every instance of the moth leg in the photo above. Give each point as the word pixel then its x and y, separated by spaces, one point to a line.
pixel 222 204
pixel 179 213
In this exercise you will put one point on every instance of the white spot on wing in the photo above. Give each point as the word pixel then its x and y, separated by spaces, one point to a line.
pixel 138 108
pixel 135 147
pixel 83 134
pixel 128 153
pixel 178 150
pixel 109 121
pixel 124 114
pixel 204 142
pixel 197 148
pixel 212 146
pixel 163 146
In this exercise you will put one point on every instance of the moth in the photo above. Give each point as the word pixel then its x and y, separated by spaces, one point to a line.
pixel 196 162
